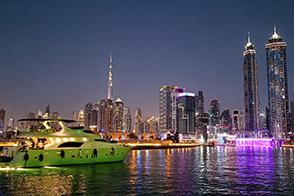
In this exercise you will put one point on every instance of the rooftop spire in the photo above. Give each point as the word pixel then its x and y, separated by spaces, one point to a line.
pixel 275 35
pixel 110 85
pixel 249 45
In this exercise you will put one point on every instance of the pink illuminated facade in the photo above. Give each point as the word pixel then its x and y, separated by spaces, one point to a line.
pixel 254 142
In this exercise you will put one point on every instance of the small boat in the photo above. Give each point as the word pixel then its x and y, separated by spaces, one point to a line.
pixel 55 144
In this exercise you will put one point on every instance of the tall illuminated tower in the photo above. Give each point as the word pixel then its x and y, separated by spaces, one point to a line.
pixel 277 84
pixel 118 115
pixel 167 108
pixel 213 118
pixel 250 87
pixel 110 85
pixel 138 124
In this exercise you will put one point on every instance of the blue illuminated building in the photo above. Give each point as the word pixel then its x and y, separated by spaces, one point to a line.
pixel 186 113
pixel 277 82
pixel 250 87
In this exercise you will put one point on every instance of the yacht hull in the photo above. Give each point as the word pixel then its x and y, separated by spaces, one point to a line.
pixel 67 156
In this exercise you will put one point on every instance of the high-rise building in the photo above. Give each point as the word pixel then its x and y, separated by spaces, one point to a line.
pixel 201 123
pixel 200 116
pixel 292 114
pixel 186 113
pixel 30 124
pixel 138 124
pixel 2 119
pixel 213 118
pixel 250 87
pixel 81 118
pixel 267 114
pixel 110 84
pixel 155 125
pixel 47 109
pixel 277 82
pixel 101 124
pixel 262 117
pixel 150 123
pixel 127 125
pixel 40 113
pixel 166 108
pixel 175 102
pixel 94 118
pixel 109 116
pixel 75 116
pixel 54 115
pixel 225 121
pixel 199 103
pixel 145 127
pixel 11 123
pixel 238 120
pixel 88 114
pixel 118 115
pixel 109 104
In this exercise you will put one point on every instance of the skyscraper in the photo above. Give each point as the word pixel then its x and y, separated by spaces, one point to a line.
pixel 40 114
pixel 186 113
pixel 225 120
pixel 155 125
pixel 277 82
pixel 101 124
pixel 138 124
pixel 81 118
pixel 166 108
pixel 213 118
pixel 2 119
pixel 175 102
pixel 199 103
pixel 11 123
pixel 118 115
pixel 201 118
pixel 292 113
pixel 127 125
pixel 94 118
pixel 250 87
pixel 150 122
pixel 75 115
pixel 30 124
pixel 109 104
pixel 238 120
pixel 110 84
pixel 262 117
pixel 109 116
pixel 47 109
pixel 88 114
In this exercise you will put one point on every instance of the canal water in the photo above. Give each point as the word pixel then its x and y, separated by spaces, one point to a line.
pixel 220 170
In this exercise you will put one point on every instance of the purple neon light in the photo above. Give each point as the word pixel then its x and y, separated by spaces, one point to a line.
pixel 254 142
pixel 186 94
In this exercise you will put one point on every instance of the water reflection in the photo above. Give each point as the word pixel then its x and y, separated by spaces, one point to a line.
pixel 64 180
pixel 195 171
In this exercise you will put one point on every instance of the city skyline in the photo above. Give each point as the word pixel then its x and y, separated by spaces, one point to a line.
pixel 57 53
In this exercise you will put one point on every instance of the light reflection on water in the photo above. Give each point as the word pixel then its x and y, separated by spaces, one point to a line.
pixel 187 171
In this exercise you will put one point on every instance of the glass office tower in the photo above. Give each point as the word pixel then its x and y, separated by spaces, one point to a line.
pixel 250 87
pixel 277 82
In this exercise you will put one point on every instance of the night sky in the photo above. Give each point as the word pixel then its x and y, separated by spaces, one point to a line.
pixel 57 52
